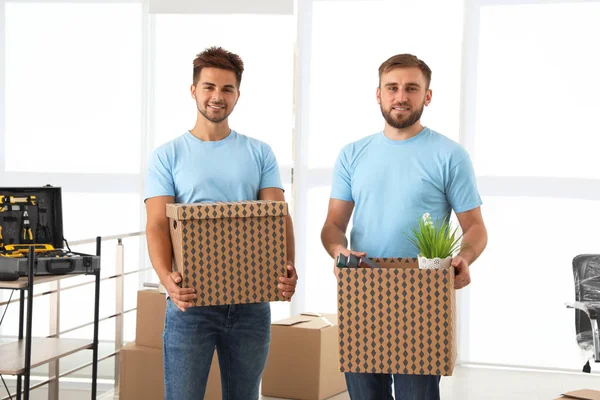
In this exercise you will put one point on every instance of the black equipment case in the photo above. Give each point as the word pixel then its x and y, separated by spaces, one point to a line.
pixel 32 216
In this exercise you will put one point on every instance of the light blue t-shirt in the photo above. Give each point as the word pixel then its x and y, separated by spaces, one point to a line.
pixel 394 182
pixel 232 169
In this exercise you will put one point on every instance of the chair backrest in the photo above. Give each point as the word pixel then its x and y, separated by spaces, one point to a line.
pixel 586 272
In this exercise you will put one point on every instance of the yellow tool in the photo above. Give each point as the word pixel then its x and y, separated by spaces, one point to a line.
pixel 31 200
pixel 12 255
pixel 24 248
pixel 27 233
pixel 12 203
pixel 21 250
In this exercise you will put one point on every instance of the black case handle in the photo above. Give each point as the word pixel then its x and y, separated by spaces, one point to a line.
pixel 61 266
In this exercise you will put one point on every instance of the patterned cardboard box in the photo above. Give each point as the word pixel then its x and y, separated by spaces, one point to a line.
pixel 397 319
pixel 231 253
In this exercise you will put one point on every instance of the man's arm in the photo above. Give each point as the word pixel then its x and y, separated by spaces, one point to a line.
pixel 474 242
pixel 158 237
pixel 161 251
pixel 287 284
pixel 333 234
pixel 474 234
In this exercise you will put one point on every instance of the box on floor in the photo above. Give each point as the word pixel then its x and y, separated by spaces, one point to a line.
pixel 583 394
pixel 303 359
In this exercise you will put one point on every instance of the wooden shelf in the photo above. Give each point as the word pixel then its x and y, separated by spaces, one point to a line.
pixel 21 283
pixel 43 350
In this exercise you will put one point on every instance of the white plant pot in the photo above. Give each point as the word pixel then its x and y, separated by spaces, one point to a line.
pixel 434 263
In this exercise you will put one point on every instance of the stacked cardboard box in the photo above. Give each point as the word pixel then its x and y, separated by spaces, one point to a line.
pixel 302 361
pixel 397 319
pixel 141 375
pixel 231 253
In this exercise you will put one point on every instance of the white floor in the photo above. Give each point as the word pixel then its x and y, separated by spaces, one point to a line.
pixel 477 383
pixel 467 383
pixel 471 383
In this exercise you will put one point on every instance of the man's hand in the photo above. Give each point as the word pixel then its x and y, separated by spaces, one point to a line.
pixel 342 250
pixel 463 276
pixel 287 285
pixel 181 297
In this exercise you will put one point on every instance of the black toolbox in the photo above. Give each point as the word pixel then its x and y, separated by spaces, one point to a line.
pixel 32 216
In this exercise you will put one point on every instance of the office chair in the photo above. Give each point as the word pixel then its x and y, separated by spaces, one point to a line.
pixel 586 272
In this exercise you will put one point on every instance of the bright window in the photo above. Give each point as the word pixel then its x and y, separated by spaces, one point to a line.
pixel 537 91
pixel 536 119
pixel 524 277
pixel 73 87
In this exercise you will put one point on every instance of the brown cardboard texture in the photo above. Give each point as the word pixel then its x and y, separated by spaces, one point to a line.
pixel 231 253
pixel 583 394
pixel 150 319
pixel 397 319
pixel 303 346
pixel 141 375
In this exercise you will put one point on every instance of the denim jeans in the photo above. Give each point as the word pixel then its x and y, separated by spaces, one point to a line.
pixel 241 333
pixel 379 386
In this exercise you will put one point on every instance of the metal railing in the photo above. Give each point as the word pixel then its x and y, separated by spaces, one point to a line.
pixel 55 331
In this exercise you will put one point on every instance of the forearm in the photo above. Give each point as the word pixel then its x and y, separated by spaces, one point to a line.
pixel 473 243
pixel 289 240
pixel 160 250
pixel 332 237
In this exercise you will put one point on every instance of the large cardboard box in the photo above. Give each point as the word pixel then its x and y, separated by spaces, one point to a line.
pixel 150 318
pixel 303 358
pixel 231 253
pixel 141 375
pixel 397 319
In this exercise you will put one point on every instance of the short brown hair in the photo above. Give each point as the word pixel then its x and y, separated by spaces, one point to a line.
pixel 405 61
pixel 217 57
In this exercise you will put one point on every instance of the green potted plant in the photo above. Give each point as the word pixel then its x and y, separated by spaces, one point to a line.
pixel 437 242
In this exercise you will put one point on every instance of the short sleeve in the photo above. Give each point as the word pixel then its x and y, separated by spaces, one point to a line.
pixel 341 187
pixel 269 176
pixel 462 190
pixel 159 178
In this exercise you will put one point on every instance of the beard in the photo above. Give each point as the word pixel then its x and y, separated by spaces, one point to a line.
pixel 216 120
pixel 402 122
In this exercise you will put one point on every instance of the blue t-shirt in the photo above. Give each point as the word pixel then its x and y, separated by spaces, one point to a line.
pixel 394 182
pixel 232 169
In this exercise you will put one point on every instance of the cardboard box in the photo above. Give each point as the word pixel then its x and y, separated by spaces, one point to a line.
pixel 303 358
pixel 231 253
pixel 397 319
pixel 583 394
pixel 150 318
pixel 141 375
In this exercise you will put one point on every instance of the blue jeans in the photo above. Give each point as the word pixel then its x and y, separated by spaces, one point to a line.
pixel 379 386
pixel 241 333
